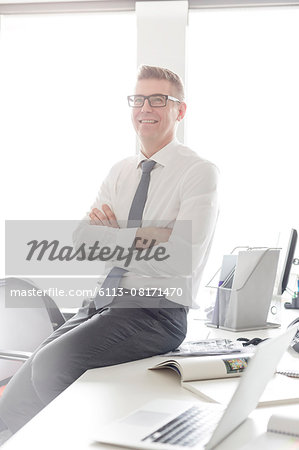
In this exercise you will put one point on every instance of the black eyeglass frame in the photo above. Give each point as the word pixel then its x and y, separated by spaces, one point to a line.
pixel 148 98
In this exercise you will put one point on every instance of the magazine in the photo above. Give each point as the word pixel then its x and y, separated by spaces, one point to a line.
pixel 209 347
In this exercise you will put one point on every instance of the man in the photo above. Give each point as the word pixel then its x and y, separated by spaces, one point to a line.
pixel 147 200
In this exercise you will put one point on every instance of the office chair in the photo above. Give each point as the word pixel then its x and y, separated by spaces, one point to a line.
pixel 25 322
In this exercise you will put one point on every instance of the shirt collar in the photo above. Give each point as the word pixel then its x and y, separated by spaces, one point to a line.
pixel 163 156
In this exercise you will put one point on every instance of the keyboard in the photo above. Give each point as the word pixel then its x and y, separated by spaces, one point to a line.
pixel 193 426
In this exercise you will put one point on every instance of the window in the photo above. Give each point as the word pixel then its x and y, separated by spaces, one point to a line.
pixel 64 113
pixel 243 96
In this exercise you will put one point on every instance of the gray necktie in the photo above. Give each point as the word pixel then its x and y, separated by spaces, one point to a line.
pixel 138 203
pixel 114 277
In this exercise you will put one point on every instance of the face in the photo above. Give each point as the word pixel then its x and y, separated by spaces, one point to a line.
pixel 157 125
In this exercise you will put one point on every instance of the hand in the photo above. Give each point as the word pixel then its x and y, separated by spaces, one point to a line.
pixel 149 236
pixel 103 218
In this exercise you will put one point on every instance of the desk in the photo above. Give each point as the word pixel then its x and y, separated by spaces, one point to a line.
pixel 102 395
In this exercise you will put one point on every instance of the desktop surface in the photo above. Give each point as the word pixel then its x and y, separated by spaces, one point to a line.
pixel 105 394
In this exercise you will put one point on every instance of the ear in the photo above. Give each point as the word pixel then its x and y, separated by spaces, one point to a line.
pixel 182 111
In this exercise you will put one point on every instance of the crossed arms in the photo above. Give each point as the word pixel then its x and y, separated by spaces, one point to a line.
pixel 145 237
pixel 187 240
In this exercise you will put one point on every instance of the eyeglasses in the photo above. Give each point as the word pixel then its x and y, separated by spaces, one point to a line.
pixel 155 100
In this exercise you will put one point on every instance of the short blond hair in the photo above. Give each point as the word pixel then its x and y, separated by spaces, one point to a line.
pixel 160 73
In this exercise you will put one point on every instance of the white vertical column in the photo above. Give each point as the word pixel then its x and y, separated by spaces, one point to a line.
pixel 161 36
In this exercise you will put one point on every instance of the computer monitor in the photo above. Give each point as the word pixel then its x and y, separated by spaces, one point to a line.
pixel 286 269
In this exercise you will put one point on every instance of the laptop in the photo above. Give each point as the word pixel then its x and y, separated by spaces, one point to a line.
pixel 171 424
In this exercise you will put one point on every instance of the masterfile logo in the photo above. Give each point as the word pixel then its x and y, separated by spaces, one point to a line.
pixel 47 248
pixel 50 254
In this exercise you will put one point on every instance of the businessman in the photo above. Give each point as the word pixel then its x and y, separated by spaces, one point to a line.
pixel 147 202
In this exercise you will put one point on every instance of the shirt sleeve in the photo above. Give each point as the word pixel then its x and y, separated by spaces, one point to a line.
pixel 88 234
pixel 190 241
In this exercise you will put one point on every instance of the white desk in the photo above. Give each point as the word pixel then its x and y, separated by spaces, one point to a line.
pixel 101 395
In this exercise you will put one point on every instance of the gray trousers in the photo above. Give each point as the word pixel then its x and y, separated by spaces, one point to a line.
pixel 112 335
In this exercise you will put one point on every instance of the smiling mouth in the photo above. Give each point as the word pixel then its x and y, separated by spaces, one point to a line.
pixel 148 121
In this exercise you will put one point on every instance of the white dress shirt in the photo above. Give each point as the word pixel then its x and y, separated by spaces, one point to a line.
pixel 182 195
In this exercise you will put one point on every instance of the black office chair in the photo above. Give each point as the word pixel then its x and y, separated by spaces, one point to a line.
pixel 25 322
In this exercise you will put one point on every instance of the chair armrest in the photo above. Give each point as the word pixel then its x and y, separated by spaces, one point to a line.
pixel 15 355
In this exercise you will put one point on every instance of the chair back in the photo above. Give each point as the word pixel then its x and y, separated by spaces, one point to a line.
pixel 24 320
